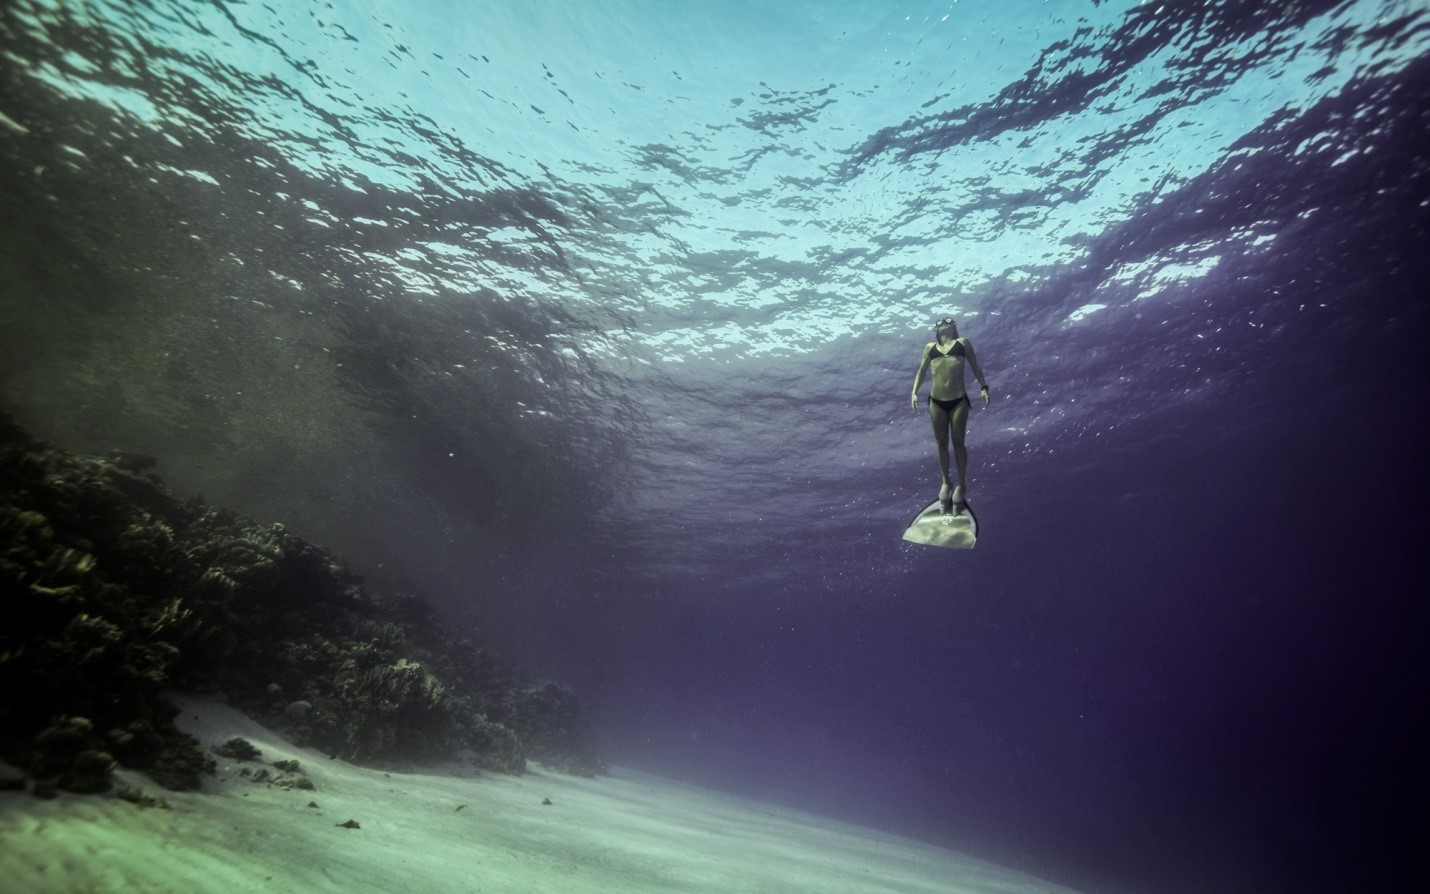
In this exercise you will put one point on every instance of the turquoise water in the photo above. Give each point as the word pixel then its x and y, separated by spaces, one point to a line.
pixel 595 323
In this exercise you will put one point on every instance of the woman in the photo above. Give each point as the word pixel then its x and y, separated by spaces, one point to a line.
pixel 948 403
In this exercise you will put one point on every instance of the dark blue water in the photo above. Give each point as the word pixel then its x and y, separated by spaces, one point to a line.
pixel 595 324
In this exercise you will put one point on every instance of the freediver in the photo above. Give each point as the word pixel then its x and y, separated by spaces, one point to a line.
pixel 948 404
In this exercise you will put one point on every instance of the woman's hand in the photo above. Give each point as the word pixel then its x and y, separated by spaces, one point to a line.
pixel 986 398
pixel 914 401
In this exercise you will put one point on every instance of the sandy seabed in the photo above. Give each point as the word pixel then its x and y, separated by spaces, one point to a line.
pixel 438 831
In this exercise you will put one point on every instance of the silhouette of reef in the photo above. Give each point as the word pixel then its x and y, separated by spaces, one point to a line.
pixel 113 592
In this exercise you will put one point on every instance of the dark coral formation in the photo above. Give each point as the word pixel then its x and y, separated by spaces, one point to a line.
pixel 238 749
pixel 112 591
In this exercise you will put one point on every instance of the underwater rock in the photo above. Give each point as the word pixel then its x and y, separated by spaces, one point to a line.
pixel 137 744
pixel 239 749
pixel 89 773
pixel 350 824
pixel 136 463
pixel 181 765
pixel 291 776
pixel 548 718
pixel 56 745
pixel 299 782
pixel 137 797
pixel 115 591
pixel 64 753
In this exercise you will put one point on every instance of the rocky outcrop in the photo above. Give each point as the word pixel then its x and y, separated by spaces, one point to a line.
pixel 112 591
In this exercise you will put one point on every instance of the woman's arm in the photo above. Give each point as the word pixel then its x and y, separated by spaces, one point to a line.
pixel 919 377
pixel 977 370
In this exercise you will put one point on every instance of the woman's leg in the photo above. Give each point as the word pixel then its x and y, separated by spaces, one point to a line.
pixel 939 416
pixel 958 421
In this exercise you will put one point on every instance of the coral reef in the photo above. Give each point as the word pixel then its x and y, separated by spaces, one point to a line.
pixel 238 749
pixel 112 591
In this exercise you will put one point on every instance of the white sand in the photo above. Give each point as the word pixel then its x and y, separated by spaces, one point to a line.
pixel 625 833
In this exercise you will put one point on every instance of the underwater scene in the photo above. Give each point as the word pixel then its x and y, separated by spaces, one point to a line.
pixel 646 445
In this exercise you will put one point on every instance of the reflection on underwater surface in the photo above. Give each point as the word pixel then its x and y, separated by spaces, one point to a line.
pixel 594 325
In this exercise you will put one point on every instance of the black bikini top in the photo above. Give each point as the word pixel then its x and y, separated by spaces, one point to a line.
pixel 955 351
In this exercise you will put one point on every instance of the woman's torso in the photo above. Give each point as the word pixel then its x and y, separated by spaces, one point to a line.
pixel 946 364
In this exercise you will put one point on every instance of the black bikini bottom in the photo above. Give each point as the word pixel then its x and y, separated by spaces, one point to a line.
pixel 948 406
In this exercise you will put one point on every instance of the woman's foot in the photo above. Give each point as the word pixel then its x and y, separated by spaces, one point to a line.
pixel 945 498
pixel 957 498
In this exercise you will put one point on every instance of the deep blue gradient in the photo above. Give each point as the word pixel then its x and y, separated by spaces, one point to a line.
pixel 595 324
